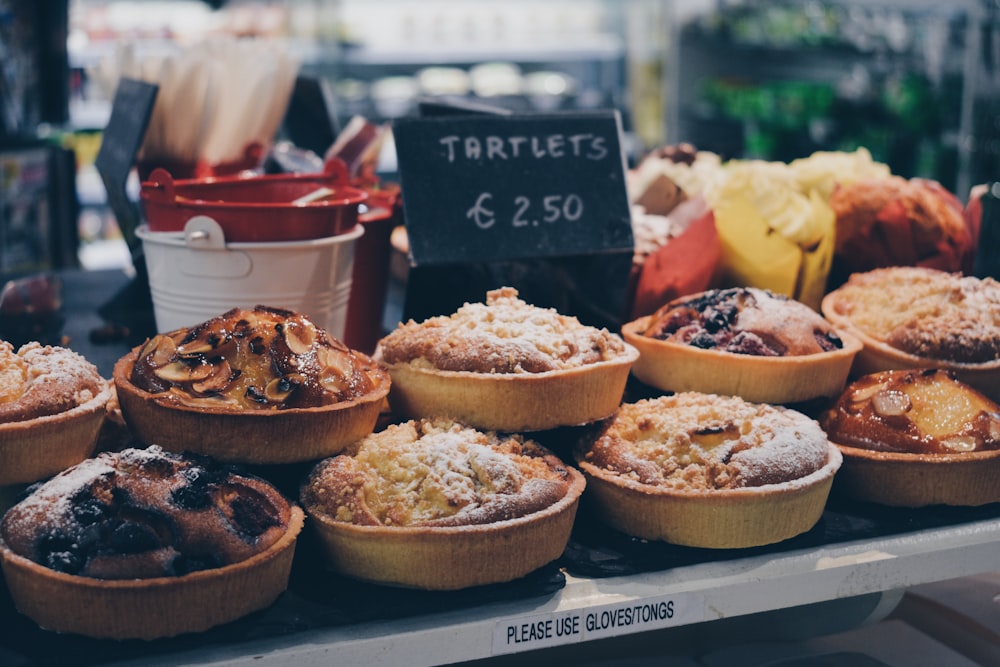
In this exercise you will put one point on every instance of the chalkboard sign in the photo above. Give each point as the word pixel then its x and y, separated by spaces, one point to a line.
pixel 449 105
pixel 311 119
pixel 490 187
pixel 130 111
pixel 987 260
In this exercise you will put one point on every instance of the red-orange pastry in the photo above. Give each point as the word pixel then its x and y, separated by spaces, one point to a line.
pixel 916 437
pixel 52 405
pixel 261 385
pixel 144 543
pixel 893 221
pixel 709 471
pixel 506 365
pixel 437 505
pixel 741 341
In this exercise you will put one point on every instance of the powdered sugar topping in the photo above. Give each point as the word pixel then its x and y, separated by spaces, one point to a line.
pixel 693 441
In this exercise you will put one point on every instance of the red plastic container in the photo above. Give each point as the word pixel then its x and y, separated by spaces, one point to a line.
pixel 253 156
pixel 255 208
pixel 370 274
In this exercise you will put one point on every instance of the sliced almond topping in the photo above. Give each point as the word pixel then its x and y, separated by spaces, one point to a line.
pixel 960 443
pixel 279 389
pixel 299 336
pixel 216 380
pixel 158 350
pixel 891 403
pixel 201 371
pixel 197 346
pixel 994 426
pixel 176 371
pixel 334 361
pixel 864 393
pixel 333 380
pixel 165 351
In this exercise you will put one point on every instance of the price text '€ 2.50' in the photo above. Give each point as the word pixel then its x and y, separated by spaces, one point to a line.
pixel 525 211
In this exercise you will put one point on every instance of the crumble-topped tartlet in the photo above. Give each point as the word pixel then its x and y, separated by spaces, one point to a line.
pixel 914 317
pixel 916 437
pixel 261 385
pixel 52 406
pixel 144 543
pixel 709 471
pixel 741 341
pixel 438 505
pixel 506 365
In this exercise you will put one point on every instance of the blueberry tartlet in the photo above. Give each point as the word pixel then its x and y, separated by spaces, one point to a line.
pixel 144 543
pixel 741 341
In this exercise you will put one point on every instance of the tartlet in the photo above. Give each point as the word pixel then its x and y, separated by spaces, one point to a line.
pixel 709 471
pixel 912 438
pixel 914 317
pixel 262 385
pixel 52 406
pixel 741 341
pixel 506 365
pixel 437 505
pixel 143 544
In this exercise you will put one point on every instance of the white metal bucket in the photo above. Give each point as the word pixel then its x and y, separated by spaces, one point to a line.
pixel 195 275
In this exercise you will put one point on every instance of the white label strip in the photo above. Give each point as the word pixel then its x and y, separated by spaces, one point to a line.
pixel 556 628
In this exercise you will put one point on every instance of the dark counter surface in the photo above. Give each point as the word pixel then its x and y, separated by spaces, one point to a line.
pixel 101 340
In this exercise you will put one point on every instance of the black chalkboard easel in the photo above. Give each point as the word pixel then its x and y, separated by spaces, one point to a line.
pixel 131 109
pixel 532 201
pixel 987 260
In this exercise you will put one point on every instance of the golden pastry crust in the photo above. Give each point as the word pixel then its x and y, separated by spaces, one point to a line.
pixel 913 438
pixel 253 359
pixel 143 544
pixel 52 406
pixel 435 505
pixel 436 473
pixel 912 317
pixel 914 411
pixel 39 381
pixel 506 366
pixel 263 386
pixel 742 341
pixel 704 442
pixel 923 312
pixel 744 320
pixel 504 335
pixel 710 471
pixel 143 513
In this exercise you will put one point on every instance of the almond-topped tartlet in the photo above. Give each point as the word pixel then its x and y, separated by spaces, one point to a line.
pixel 742 341
pixel 506 365
pixel 261 385
pixel 435 504
pixel 144 543
pixel 709 471
pixel 52 406
pixel 916 437
pixel 914 317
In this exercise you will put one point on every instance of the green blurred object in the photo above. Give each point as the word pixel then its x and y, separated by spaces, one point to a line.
pixel 786 104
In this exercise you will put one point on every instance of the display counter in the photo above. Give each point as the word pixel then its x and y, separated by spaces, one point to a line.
pixel 850 568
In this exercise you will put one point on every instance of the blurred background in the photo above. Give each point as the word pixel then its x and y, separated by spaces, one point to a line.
pixel 917 82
